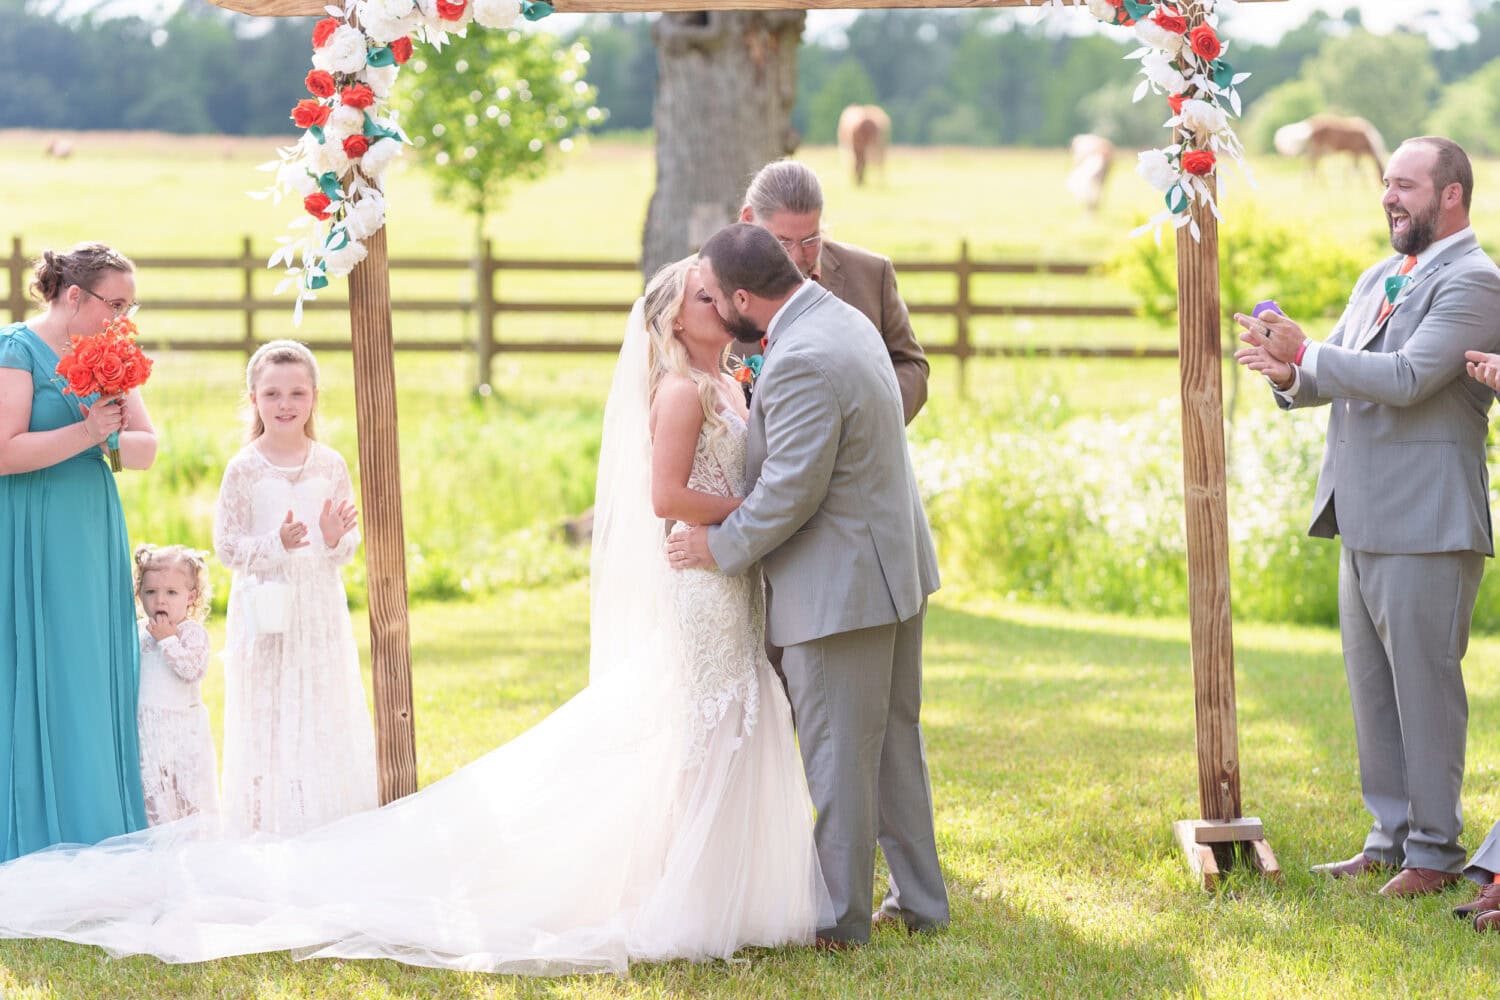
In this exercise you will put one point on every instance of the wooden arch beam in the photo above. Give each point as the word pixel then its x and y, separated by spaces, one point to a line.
pixel 315 8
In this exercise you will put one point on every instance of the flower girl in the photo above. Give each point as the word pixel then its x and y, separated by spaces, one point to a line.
pixel 298 746
pixel 179 774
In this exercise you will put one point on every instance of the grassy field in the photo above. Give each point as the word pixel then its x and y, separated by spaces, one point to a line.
pixel 1061 740
pixel 1061 747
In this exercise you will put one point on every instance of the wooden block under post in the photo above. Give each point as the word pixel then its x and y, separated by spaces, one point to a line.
pixel 1264 860
pixel 1229 831
pixel 1200 857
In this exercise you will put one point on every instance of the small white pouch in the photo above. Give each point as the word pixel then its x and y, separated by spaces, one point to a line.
pixel 270 606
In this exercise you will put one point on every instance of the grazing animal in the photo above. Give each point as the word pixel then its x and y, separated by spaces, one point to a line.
pixel 1093 155
pixel 864 132
pixel 59 149
pixel 1321 135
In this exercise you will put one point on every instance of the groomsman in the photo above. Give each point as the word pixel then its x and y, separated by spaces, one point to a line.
pixel 1404 486
pixel 786 199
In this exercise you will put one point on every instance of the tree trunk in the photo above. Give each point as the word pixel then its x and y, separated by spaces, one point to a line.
pixel 726 84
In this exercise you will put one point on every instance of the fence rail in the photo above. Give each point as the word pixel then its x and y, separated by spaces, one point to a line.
pixel 486 307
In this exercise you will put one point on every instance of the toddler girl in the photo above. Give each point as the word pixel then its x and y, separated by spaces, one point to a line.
pixel 178 769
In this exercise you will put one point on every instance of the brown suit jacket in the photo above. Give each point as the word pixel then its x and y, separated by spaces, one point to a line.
pixel 867 281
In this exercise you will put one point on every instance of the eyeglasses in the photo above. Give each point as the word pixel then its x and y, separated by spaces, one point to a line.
pixel 807 243
pixel 118 306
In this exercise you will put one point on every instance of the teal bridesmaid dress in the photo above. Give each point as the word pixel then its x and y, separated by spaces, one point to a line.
pixel 69 659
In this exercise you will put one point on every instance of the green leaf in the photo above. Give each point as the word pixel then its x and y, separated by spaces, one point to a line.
pixel 535 10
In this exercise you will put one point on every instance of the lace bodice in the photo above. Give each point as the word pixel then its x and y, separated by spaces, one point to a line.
pixel 721 619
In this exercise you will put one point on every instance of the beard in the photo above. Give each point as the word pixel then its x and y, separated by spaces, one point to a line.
pixel 740 327
pixel 1421 227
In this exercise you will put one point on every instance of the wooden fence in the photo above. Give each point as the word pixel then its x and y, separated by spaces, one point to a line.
pixel 486 307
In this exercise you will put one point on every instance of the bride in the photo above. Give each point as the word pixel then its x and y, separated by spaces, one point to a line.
pixel 661 813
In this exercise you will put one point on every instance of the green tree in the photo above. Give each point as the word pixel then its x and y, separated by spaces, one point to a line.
pixel 489 109
pixel 1468 112
pixel 1390 80
pixel 1289 102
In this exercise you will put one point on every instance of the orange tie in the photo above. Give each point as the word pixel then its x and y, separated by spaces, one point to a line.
pixel 1390 302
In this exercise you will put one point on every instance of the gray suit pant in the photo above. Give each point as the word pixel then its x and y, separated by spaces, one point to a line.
pixel 1486 861
pixel 858 698
pixel 1405 625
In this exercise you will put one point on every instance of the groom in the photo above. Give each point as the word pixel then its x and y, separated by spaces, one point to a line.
pixel 836 522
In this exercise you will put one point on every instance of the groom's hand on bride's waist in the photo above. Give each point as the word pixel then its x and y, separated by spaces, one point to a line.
pixel 689 550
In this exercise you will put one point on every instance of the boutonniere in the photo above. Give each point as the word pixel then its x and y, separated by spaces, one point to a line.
pixel 1393 286
pixel 747 371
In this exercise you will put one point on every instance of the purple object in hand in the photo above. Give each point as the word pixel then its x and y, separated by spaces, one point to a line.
pixel 1269 305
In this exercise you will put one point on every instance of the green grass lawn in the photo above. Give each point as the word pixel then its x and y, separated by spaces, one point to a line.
pixel 1061 748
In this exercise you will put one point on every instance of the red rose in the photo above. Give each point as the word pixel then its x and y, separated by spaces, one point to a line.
pixel 134 375
pixel 111 372
pixel 1204 42
pixel 356 146
pixel 401 50
pixel 320 83
pixel 323 30
pixel 451 11
pixel 1175 101
pixel 358 96
pixel 308 113
pixel 1170 20
pixel 88 352
pixel 1198 162
pixel 317 205
pixel 80 380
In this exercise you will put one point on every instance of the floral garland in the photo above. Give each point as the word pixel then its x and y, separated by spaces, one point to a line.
pixel 1188 67
pixel 350 136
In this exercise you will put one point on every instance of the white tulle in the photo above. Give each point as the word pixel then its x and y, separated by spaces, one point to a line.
pixel 661 813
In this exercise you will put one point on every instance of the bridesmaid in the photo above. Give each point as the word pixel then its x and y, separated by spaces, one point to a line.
pixel 69 657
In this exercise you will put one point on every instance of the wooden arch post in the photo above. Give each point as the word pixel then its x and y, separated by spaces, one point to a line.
pixel 1203 473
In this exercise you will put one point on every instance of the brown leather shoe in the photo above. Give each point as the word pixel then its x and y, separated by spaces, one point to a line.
pixel 1488 899
pixel 1357 865
pixel 1489 921
pixel 833 944
pixel 1418 882
pixel 884 918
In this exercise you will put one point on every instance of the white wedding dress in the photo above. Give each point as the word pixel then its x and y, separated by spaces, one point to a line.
pixel 661 813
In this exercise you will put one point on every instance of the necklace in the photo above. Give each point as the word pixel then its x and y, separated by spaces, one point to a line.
pixel 297 476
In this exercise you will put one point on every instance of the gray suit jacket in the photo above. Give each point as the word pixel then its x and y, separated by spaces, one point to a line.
pixel 867 281
pixel 834 515
pixel 1404 466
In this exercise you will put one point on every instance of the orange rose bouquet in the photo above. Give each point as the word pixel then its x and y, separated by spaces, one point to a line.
pixel 109 363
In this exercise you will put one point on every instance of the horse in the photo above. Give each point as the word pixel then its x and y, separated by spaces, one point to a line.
pixel 1321 135
pixel 864 132
pixel 1093 155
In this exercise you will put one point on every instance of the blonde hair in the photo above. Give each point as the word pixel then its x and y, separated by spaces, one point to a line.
pixel 279 352
pixel 665 294
pixel 158 557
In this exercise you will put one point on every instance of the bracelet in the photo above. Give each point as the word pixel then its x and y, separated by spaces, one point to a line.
pixel 1301 350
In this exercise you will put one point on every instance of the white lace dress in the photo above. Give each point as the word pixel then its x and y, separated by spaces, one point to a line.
pixel 661 813
pixel 299 749
pixel 179 773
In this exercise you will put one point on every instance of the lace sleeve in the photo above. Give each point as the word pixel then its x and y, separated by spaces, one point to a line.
pixel 234 543
pixel 187 651
pixel 343 489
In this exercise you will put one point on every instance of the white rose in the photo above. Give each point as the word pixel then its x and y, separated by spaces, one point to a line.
pixel 391 9
pixel 1158 67
pixel 383 30
pixel 1156 169
pixel 436 23
pixel 380 155
pixel 495 13
pixel 1154 35
pixel 329 155
pixel 1102 10
pixel 342 123
pixel 340 262
pixel 344 52
pixel 1203 119
pixel 367 215
pixel 381 79
pixel 294 175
